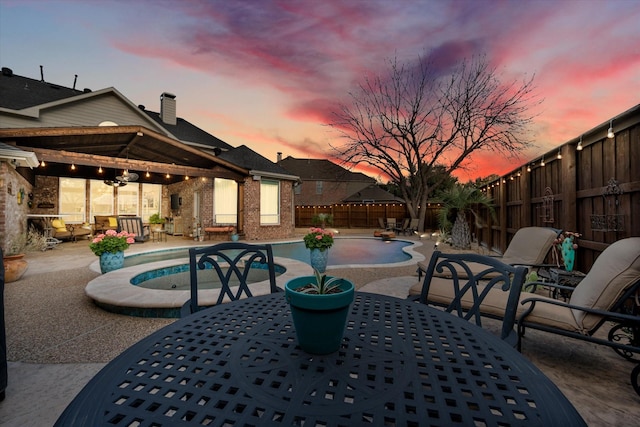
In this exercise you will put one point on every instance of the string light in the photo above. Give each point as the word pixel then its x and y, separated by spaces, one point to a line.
pixel 42 163
pixel 100 169
pixel 610 133
pixel 73 166
pixel 168 176
pixel 542 162
pixel 559 156
pixel 529 168
pixel 579 147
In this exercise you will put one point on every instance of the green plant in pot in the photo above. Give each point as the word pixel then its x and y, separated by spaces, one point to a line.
pixel 156 221
pixel 319 309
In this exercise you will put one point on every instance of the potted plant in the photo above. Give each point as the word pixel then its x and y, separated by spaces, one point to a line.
pixel 156 221
pixel 319 308
pixel 13 259
pixel 110 247
pixel 318 241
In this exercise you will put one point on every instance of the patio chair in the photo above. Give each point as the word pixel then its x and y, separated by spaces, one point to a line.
pixel 229 263
pixel 391 224
pixel 381 223
pixel 528 247
pixel 609 293
pixel 133 224
pixel 498 285
pixel 413 226
pixel 402 228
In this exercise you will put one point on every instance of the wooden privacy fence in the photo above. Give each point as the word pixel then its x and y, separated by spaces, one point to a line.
pixel 362 215
pixel 594 191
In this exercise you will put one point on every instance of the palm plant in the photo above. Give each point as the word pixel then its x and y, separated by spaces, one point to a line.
pixel 458 202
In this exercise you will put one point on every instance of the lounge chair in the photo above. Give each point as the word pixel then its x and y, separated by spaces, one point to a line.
pixel 608 293
pixel 231 264
pixel 528 247
pixel 391 224
pixel 497 286
pixel 133 224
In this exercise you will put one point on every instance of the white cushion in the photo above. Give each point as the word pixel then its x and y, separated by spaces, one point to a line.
pixel 615 270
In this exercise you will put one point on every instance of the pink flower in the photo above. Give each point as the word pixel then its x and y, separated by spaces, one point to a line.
pixel 111 233
pixel 130 240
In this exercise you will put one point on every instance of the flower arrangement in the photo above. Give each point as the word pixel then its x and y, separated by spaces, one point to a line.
pixel 564 248
pixel 318 238
pixel 111 241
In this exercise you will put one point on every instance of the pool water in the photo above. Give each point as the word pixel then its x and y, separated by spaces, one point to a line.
pixel 345 251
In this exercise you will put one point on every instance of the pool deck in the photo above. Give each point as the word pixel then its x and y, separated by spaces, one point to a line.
pixel 58 339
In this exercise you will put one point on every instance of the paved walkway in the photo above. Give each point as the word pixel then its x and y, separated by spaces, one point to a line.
pixel 593 377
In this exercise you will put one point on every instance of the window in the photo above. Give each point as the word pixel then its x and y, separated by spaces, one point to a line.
pixel 128 199
pixel 318 187
pixel 100 199
pixel 225 201
pixel 151 198
pixel 269 202
pixel 73 199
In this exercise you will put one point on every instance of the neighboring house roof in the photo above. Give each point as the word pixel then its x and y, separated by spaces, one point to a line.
pixel 372 193
pixel 342 185
pixel 257 165
pixel 321 170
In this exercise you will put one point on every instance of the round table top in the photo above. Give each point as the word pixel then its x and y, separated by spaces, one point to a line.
pixel 401 363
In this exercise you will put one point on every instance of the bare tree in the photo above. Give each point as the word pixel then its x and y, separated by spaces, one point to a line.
pixel 414 122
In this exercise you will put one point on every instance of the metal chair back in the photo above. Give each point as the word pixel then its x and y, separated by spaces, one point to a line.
pixel 471 290
pixel 230 263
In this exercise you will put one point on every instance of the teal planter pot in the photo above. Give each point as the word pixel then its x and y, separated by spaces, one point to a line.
pixel 111 261
pixel 319 320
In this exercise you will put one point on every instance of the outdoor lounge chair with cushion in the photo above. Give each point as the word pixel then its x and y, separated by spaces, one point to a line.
pixel 231 264
pixel 610 292
pixel 133 224
pixel 498 286
pixel 402 228
pixel 528 247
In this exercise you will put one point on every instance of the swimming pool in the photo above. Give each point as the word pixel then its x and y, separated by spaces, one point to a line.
pixel 347 251
pixel 115 291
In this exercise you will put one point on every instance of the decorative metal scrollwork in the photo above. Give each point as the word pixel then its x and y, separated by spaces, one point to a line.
pixel 611 220
pixel 546 210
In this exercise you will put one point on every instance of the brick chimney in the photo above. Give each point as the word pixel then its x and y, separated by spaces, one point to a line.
pixel 168 108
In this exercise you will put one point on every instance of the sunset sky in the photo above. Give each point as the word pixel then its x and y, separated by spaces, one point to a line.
pixel 265 73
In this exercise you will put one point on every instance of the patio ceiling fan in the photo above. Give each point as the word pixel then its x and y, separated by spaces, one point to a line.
pixel 127 176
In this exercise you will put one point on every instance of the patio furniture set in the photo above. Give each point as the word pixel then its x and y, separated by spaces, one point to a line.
pixel 401 361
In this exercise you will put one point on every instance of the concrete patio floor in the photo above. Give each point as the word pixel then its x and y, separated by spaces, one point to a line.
pixel 57 339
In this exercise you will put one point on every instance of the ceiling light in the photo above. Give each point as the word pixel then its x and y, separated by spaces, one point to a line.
pixel 579 147
pixel 610 133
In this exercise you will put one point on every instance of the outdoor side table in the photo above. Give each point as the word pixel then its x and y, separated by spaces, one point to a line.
pixel 158 235
pixel 401 363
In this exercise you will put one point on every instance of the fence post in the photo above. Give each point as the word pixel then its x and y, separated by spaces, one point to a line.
pixel 569 182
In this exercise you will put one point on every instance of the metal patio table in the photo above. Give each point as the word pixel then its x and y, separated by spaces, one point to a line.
pixel 401 363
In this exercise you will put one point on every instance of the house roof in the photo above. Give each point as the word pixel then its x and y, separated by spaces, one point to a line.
pixel 372 193
pixel 245 157
pixel 187 148
pixel 321 170
pixel 190 133
pixel 18 92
